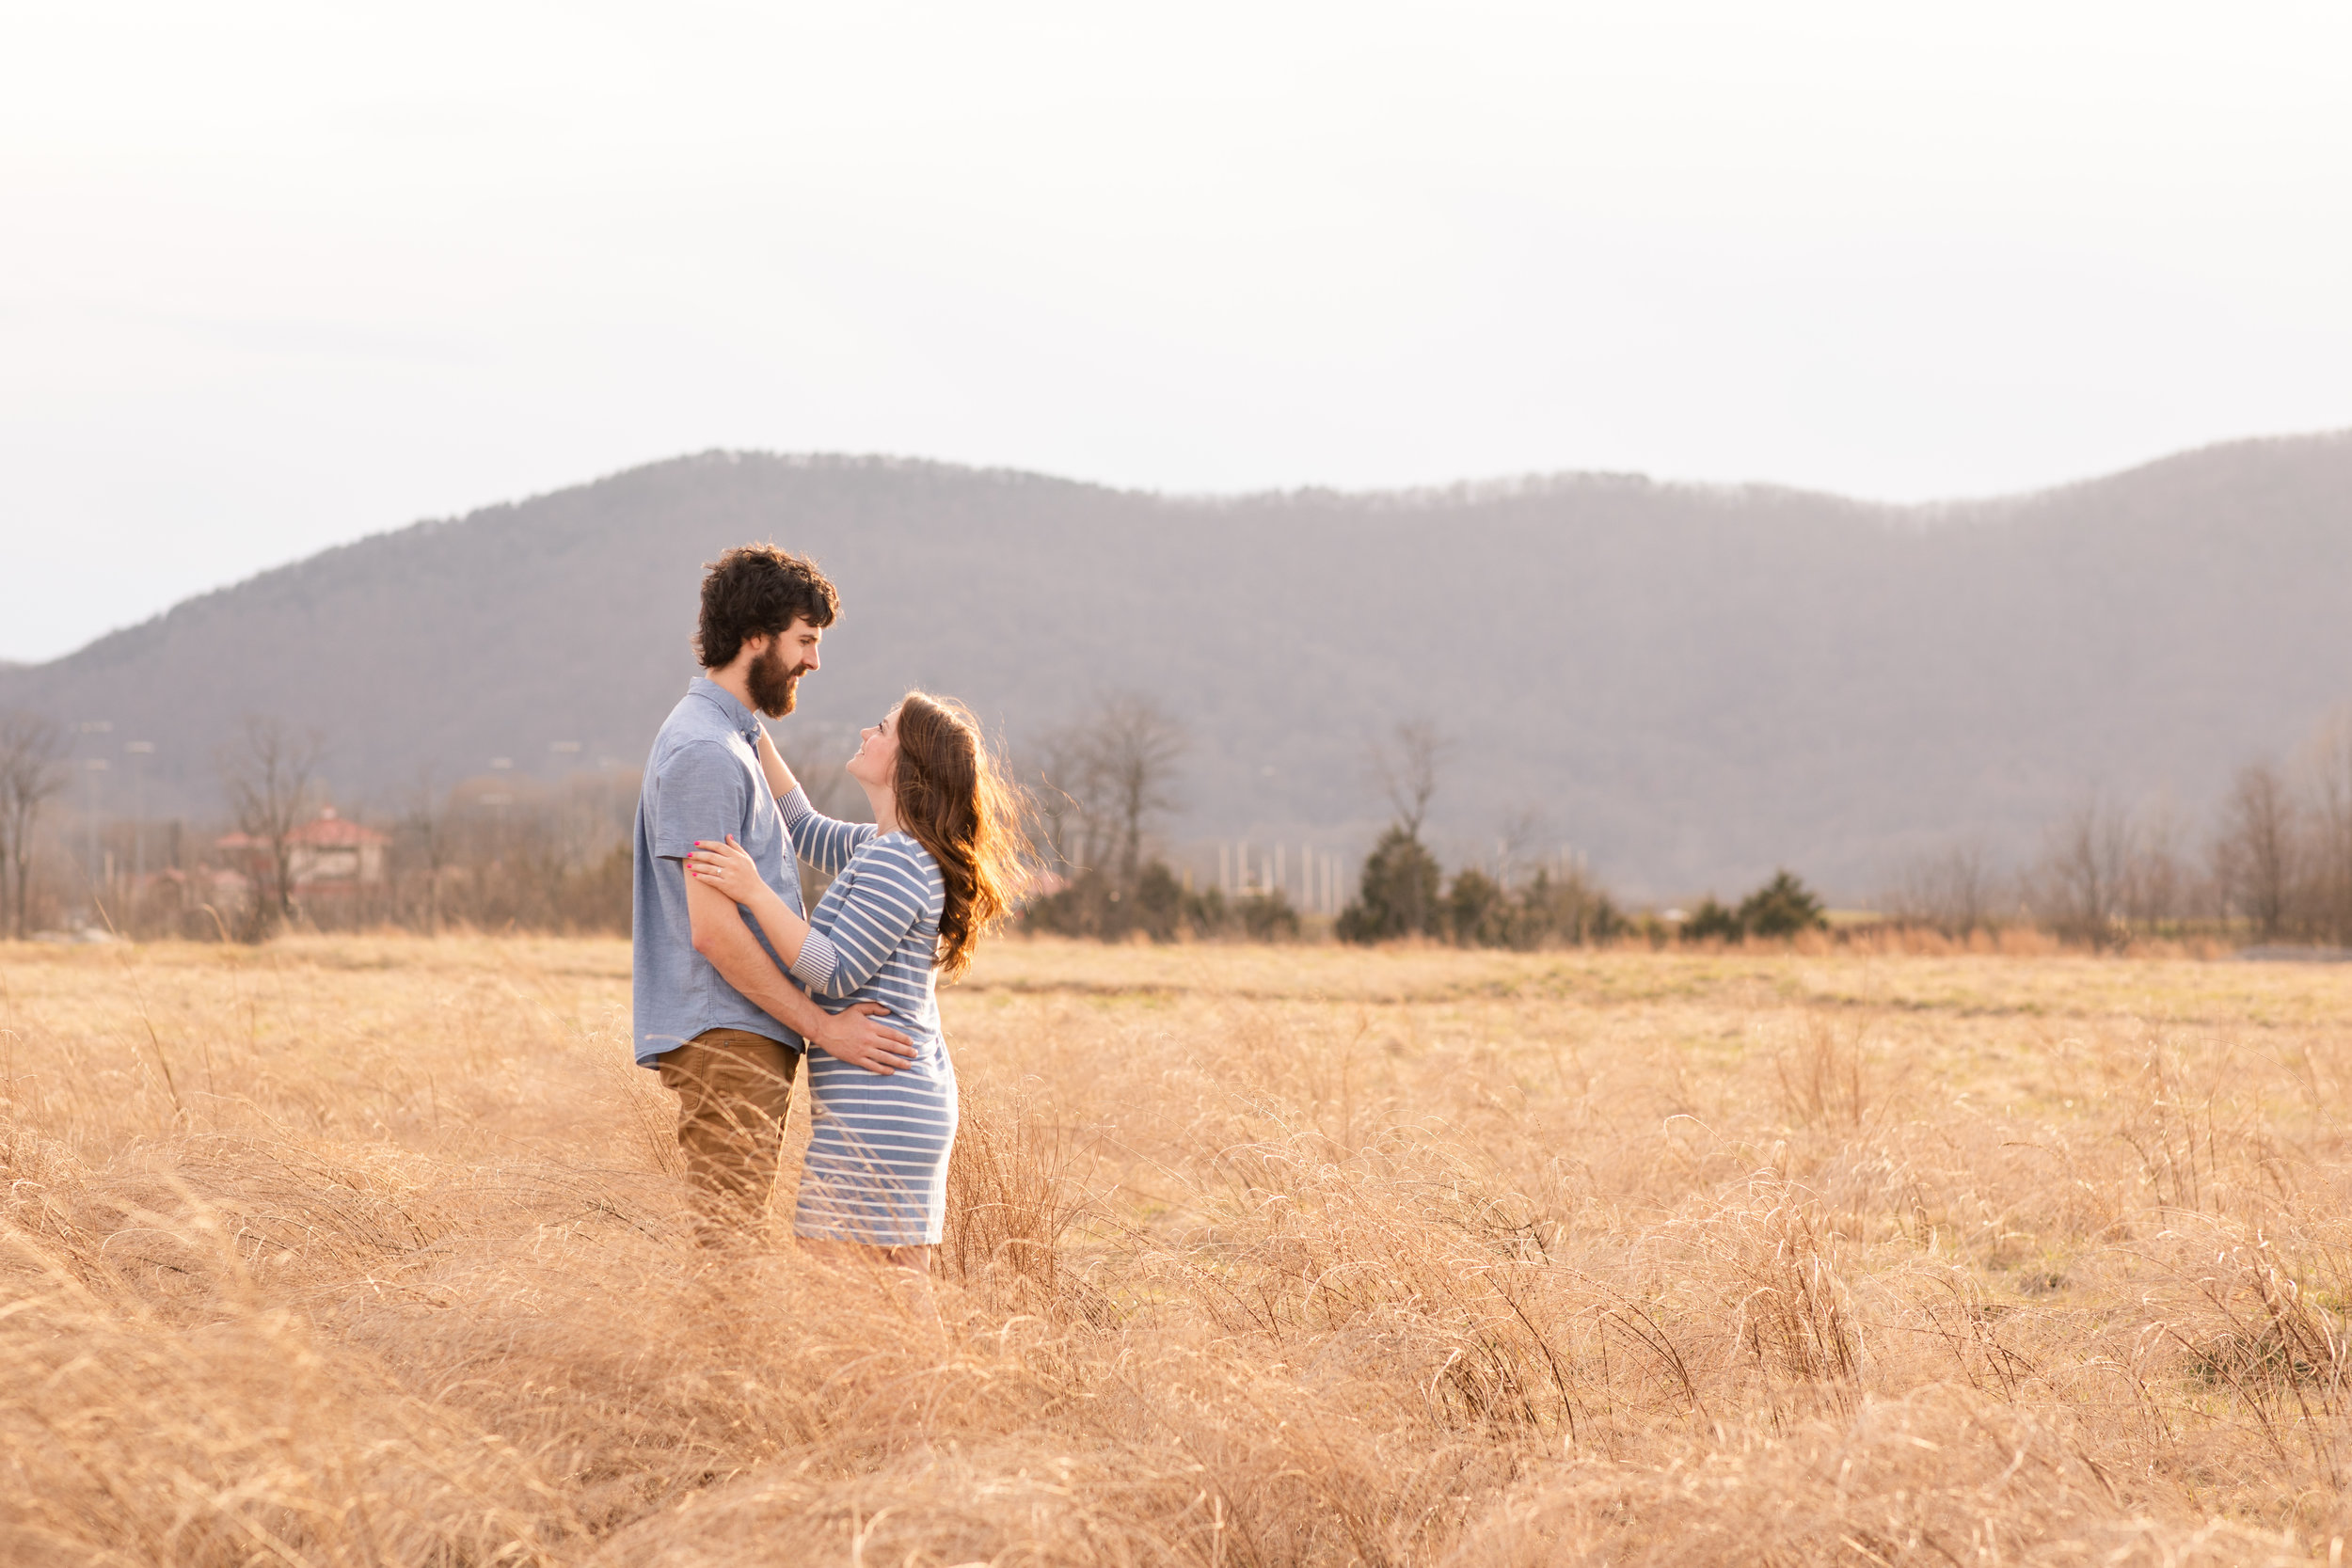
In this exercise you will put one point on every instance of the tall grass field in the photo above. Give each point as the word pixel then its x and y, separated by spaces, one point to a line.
pixel 359 1251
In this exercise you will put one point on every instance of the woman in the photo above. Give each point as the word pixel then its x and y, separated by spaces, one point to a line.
pixel 911 895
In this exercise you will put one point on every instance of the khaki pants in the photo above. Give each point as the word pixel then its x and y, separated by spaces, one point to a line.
pixel 733 1088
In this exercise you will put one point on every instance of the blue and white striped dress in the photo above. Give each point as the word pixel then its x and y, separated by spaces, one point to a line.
pixel 877 1164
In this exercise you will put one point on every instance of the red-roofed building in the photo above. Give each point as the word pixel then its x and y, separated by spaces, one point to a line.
pixel 328 855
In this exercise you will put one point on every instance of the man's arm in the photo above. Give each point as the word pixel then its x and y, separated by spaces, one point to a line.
pixel 855 1037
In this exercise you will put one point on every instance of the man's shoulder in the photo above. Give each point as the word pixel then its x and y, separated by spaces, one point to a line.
pixel 691 715
pixel 689 743
pixel 696 773
pixel 701 744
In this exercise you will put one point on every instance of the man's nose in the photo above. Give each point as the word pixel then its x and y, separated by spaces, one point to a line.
pixel 811 665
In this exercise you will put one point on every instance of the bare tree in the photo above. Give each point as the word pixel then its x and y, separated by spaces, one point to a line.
pixel 1061 770
pixel 267 772
pixel 2160 886
pixel 30 747
pixel 2256 859
pixel 1522 830
pixel 1405 762
pixel 2079 881
pixel 1136 747
pixel 1102 778
pixel 1952 889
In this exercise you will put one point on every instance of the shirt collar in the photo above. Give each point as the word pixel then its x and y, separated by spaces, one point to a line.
pixel 741 719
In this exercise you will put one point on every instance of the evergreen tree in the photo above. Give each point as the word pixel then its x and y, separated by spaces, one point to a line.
pixel 1479 912
pixel 1158 905
pixel 1398 894
pixel 1780 908
pixel 1270 917
pixel 1710 921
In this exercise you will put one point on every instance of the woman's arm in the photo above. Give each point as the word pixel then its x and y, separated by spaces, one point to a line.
pixel 730 868
pixel 867 917
pixel 822 841
pixel 780 780
pixel 826 843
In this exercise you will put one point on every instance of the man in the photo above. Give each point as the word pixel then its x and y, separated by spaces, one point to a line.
pixel 716 1012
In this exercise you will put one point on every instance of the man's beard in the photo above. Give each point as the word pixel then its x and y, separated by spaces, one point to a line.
pixel 774 684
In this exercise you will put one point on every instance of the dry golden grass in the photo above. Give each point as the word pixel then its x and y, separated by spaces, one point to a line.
pixel 368 1252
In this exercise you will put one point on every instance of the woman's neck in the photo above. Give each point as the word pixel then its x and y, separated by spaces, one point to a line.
pixel 885 805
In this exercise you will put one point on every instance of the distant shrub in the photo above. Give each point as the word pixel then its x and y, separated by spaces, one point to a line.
pixel 1479 912
pixel 1093 905
pixel 1567 909
pixel 1158 908
pixel 1207 913
pixel 1780 908
pixel 1270 917
pixel 599 898
pixel 1712 921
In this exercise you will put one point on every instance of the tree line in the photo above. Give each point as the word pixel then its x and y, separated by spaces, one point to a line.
pixel 1095 789
pixel 2272 862
pixel 1099 784
pixel 491 852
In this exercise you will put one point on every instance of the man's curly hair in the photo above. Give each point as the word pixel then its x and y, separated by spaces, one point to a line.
pixel 756 591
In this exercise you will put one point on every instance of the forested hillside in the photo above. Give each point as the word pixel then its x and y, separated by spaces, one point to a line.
pixel 1691 685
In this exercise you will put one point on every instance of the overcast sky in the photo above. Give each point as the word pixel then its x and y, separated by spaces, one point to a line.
pixel 273 277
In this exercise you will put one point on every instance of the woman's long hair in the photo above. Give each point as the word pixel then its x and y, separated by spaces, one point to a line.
pixel 954 802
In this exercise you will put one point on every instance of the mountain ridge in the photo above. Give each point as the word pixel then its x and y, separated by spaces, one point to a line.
pixel 1692 683
pixel 1924 513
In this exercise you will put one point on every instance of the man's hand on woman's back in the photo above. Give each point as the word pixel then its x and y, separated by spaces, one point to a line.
pixel 857 1035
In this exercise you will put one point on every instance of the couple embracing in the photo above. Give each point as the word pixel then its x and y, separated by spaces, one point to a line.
pixel 736 982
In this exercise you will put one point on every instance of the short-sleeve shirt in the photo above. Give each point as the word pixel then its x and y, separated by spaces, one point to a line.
pixel 702 781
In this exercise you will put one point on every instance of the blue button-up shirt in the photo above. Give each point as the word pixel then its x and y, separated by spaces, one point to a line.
pixel 703 782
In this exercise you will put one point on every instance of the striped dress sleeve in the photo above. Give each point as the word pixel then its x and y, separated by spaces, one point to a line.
pixel 884 896
pixel 825 842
